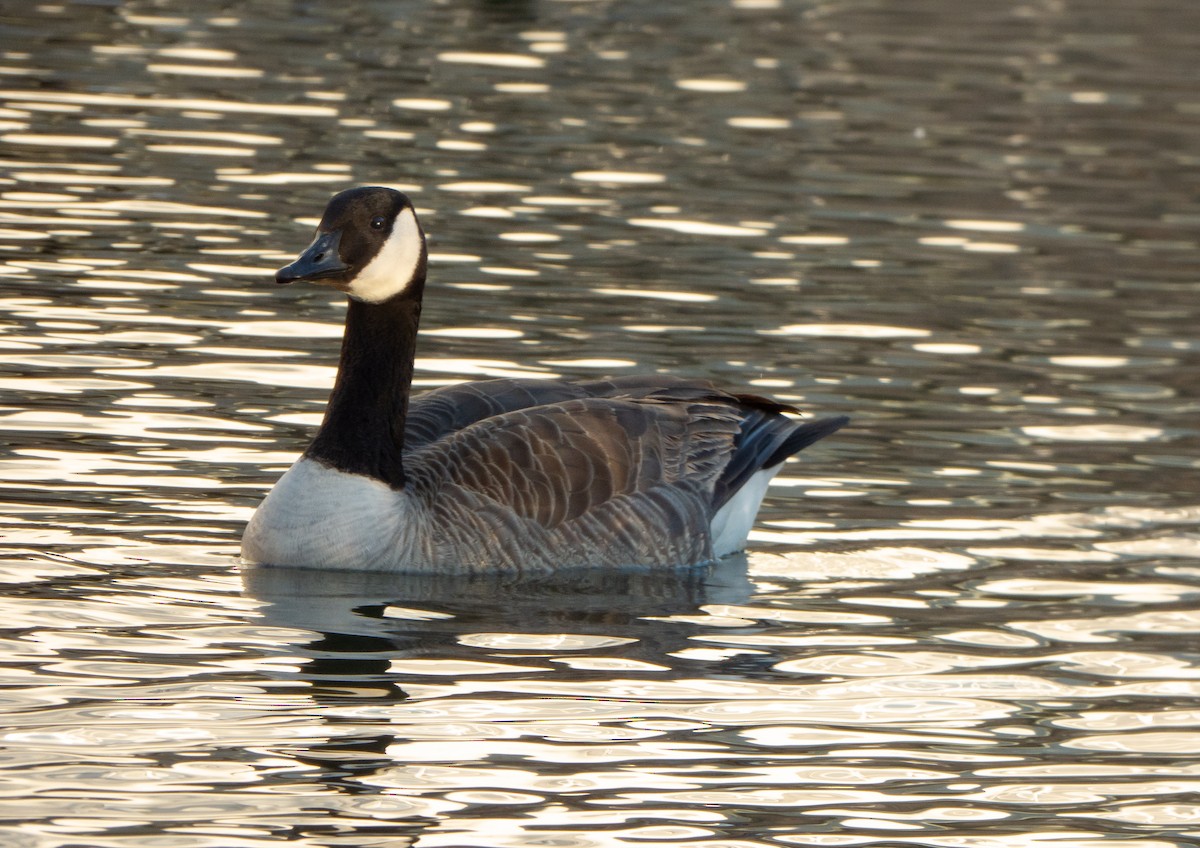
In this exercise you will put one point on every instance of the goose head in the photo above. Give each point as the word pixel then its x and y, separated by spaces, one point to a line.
pixel 368 245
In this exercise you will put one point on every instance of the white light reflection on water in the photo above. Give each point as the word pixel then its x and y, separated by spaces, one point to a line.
pixel 967 621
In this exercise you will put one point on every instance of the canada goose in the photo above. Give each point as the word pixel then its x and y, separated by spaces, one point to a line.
pixel 521 475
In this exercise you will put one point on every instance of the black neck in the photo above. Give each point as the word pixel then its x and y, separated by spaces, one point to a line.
pixel 363 430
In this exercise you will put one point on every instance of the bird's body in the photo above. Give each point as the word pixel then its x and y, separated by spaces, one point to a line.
pixel 502 475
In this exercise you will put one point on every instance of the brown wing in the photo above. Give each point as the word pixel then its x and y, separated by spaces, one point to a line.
pixel 448 409
pixel 630 473
pixel 552 464
pixel 439 412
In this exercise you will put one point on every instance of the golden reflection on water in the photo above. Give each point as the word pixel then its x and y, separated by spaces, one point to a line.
pixel 965 622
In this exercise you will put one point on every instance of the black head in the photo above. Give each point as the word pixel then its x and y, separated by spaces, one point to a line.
pixel 368 244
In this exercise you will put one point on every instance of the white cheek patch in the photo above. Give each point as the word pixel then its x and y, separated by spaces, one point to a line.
pixel 394 266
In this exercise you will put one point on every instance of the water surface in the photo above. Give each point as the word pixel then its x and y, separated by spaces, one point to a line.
pixel 968 620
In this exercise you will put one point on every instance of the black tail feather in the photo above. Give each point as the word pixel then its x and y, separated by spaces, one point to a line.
pixel 766 440
pixel 805 435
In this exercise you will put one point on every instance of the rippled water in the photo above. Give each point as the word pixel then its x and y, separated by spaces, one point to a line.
pixel 970 620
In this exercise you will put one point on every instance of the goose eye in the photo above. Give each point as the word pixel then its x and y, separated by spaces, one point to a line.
pixel 377 222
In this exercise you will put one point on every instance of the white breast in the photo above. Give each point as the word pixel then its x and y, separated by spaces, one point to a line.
pixel 318 517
